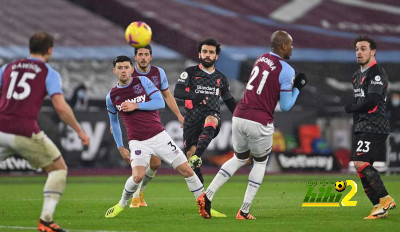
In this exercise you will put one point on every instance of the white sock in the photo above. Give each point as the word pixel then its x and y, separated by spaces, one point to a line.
pixel 224 174
pixel 256 177
pixel 150 173
pixel 195 185
pixel 52 191
pixel 129 189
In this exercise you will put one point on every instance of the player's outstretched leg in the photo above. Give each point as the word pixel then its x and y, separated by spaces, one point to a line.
pixel 205 137
pixel 386 202
pixel 256 177
pixel 138 197
pixel 129 189
pixel 53 189
pixel 224 174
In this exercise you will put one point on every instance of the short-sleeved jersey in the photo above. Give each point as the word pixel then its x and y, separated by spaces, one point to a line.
pixel 199 81
pixel 371 80
pixel 156 75
pixel 24 84
pixel 270 76
pixel 140 124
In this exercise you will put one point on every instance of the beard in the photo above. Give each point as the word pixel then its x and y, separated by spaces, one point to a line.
pixel 363 63
pixel 207 64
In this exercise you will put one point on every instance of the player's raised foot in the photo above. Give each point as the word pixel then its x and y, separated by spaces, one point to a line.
pixel 215 213
pixel 244 216
pixel 195 161
pixel 49 227
pixel 114 211
pixel 204 206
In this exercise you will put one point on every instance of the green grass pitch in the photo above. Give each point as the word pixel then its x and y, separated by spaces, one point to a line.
pixel 171 207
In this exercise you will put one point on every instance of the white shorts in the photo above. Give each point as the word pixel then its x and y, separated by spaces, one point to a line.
pixel 253 136
pixel 161 145
pixel 39 150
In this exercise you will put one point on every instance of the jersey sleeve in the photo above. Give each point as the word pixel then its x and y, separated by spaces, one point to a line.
pixel 1 74
pixel 53 82
pixel 164 80
pixel 110 106
pixel 286 77
pixel 156 100
pixel 184 78
pixel 226 90
pixel 377 82
pixel 148 86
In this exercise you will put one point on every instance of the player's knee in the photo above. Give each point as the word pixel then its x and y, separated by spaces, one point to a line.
pixel 185 170
pixel 358 165
pixel 138 178
pixel 243 155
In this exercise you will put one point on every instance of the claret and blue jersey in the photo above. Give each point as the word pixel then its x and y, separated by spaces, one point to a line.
pixel 143 123
pixel 19 104
pixel 271 80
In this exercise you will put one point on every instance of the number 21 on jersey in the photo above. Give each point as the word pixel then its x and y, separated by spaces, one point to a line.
pixel 254 74
pixel 22 83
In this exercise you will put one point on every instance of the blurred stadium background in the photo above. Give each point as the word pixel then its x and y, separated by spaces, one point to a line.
pixel 314 136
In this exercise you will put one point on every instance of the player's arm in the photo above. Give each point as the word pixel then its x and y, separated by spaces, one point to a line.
pixel 1 76
pixel 181 93
pixel 373 96
pixel 289 92
pixel 156 101
pixel 171 103
pixel 226 95
pixel 168 98
pixel 66 115
pixel 64 111
pixel 116 129
pixel 370 101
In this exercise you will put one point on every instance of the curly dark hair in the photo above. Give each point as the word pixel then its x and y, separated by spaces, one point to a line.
pixel 210 42
pixel 372 43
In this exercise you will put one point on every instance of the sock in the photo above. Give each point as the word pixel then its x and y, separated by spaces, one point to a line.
pixel 375 182
pixel 205 138
pixel 369 191
pixel 53 189
pixel 195 186
pixel 224 174
pixel 199 174
pixel 150 173
pixel 129 189
pixel 256 177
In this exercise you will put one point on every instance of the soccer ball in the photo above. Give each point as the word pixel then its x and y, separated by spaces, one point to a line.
pixel 340 186
pixel 138 34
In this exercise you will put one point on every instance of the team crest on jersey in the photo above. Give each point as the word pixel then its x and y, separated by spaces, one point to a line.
pixel 138 152
pixel 218 82
pixel 138 89
pixel 155 80
pixel 117 98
